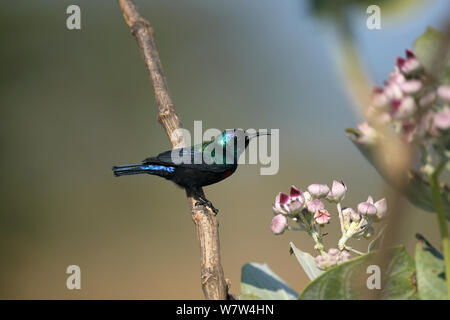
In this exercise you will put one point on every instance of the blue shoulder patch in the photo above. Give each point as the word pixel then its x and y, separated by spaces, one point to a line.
pixel 155 167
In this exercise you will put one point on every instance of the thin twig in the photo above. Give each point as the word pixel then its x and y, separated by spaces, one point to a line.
pixel 213 281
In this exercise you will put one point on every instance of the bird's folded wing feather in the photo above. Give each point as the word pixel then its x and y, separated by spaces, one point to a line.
pixel 165 158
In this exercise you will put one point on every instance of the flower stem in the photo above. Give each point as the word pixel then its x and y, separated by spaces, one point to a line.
pixel 318 240
pixel 341 218
pixel 354 250
pixel 434 183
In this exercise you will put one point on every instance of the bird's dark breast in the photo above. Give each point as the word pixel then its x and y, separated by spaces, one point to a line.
pixel 195 178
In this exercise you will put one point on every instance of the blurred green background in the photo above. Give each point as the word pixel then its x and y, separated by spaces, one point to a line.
pixel 75 103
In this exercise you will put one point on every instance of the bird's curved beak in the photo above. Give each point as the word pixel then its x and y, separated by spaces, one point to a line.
pixel 257 134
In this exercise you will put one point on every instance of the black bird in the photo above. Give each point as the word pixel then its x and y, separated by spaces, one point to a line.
pixel 192 176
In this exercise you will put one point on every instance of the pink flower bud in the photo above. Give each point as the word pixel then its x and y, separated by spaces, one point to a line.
pixel 333 251
pixel 285 204
pixel 392 88
pixel 278 224
pixel 315 205
pixel 338 190
pixel 404 108
pixel 331 258
pixel 367 208
pixel 409 65
pixel 318 190
pixel 344 256
pixel 444 93
pixel 322 217
pixel 295 205
pixel 396 78
pixel 306 196
pixel 280 205
pixel 441 119
pixel 355 216
pixel 411 86
pixel 321 262
pixel 319 259
pixel 346 212
pixel 427 99
pixel 379 99
pixel 381 206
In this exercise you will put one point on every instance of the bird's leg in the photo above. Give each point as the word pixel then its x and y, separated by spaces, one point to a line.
pixel 202 201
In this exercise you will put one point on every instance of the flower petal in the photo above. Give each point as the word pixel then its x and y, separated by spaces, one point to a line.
pixel 278 224
pixel 283 198
pixel 295 192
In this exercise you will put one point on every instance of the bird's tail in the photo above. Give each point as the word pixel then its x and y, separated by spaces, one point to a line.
pixel 159 170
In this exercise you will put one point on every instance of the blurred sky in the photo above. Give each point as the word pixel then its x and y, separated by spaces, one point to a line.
pixel 75 103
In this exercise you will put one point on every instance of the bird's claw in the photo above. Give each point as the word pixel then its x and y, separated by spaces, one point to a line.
pixel 207 204
pixel 199 203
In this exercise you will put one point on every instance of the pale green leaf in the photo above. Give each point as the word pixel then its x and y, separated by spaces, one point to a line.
pixel 430 271
pixel 431 50
pixel 307 262
pixel 348 281
pixel 259 282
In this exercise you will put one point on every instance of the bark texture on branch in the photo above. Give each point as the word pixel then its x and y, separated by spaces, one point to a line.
pixel 213 280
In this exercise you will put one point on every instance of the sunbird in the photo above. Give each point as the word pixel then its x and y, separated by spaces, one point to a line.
pixel 193 175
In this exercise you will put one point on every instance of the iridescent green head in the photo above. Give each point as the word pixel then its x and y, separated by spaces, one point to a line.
pixel 234 143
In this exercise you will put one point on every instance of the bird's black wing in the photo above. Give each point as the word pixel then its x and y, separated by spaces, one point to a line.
pixel 165 158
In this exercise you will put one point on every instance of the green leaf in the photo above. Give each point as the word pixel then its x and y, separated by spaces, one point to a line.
pixel 307 262
pixel 430 267
pixel 348 281
pixel 259 282
pixel 430 50
pixel 417 190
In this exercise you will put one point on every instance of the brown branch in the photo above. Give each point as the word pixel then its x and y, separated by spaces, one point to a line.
pixel 213 280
